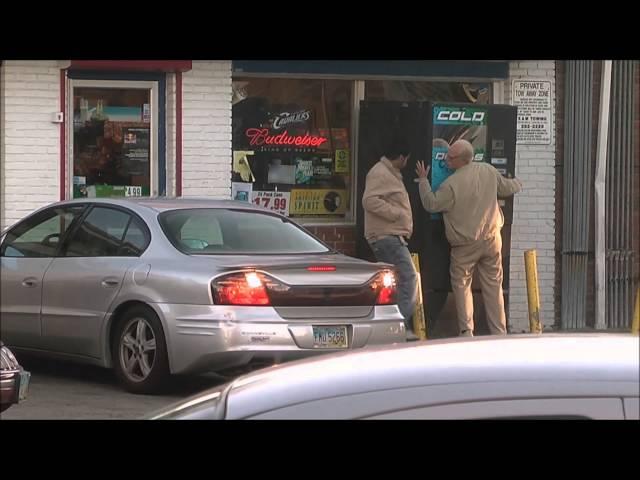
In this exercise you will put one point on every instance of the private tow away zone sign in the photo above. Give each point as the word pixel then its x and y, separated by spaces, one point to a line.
pixel 533 99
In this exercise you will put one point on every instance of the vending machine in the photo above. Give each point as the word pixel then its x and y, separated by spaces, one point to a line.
pixel 430 128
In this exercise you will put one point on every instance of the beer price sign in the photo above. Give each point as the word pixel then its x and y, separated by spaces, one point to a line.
pixel 275 201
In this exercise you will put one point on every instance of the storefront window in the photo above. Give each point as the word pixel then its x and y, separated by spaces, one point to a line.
pixel 111 142
pixel 413 91
pixel 292 145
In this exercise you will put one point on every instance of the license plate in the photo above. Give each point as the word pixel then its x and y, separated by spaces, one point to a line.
pixel 24 385
pixel 330 337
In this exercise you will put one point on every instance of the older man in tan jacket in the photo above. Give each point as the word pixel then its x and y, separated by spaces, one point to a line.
pixel 472 219
pixel 388 224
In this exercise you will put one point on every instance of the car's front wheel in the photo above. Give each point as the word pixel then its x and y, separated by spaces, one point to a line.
pixel 140 351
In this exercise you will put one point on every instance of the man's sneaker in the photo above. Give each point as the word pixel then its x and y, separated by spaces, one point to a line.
pixel 466 333
pixel 412 337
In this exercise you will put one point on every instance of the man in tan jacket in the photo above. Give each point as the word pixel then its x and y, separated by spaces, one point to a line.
pixel 472 219
pixel 388 224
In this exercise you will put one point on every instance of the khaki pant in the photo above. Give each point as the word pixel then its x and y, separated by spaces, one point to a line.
pixel 486 255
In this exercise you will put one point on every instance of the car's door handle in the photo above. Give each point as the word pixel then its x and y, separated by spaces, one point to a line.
pixel 109 283
pixel 29 282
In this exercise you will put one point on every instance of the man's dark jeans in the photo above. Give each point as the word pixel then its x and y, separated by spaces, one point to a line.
pixel 391 249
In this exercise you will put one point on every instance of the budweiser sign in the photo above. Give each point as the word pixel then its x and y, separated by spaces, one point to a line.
pixel 286 118
pixel 260 136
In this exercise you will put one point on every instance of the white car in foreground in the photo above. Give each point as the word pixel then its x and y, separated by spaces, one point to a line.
pixel 549 376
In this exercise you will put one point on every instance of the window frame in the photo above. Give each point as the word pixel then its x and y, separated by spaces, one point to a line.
pixel 357 94
pixel 156 175
pixel 61 253
pixel 43 211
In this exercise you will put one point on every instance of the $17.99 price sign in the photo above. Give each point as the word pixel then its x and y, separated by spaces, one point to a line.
pixel 276 201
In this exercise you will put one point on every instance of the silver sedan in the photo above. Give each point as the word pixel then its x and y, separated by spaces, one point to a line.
pixel 153 287
pixel 554 376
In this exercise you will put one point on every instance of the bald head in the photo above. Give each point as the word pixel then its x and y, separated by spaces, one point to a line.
pixel 460 154
pixel 440 143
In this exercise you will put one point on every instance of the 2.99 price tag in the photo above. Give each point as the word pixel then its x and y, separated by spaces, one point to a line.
pixel 132 191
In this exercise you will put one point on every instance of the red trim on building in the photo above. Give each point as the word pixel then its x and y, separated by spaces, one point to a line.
pixel 63 139
pixel 134 65
pixel 178 134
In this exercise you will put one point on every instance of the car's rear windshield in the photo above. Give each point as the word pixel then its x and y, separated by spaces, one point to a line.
pixel 208 231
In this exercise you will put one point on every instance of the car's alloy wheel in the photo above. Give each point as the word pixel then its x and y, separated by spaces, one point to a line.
pixel 139 351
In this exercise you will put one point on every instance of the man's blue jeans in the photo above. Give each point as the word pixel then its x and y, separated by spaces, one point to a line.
pixel 392 250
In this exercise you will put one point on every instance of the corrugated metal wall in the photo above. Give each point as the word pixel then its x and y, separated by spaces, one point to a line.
pixel 578 184
pixel 620 195
pixel 579 157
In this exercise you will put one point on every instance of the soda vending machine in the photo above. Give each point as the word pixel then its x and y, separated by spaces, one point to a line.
pixel 430 128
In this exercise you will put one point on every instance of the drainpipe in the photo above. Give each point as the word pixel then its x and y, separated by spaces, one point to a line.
pixel 600 195
pixel 178 134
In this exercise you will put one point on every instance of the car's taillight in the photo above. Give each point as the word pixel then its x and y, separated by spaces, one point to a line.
pixel 242 288
pixel 384 284
pixel 7 360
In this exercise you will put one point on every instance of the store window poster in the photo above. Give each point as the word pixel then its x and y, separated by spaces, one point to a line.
pixel 318 202
pixel 241 191
pixel 135 149
pixel 304 171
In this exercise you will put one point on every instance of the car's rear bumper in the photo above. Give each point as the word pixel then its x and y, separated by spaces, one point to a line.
pixel 201 337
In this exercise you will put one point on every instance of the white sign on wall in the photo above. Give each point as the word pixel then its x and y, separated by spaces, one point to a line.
pixel 533 99
pixel 276 201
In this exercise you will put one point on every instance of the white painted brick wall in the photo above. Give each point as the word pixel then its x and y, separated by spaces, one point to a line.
pixel 534 209
pixel 30 154
pixel 30 141
pixel 206 137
